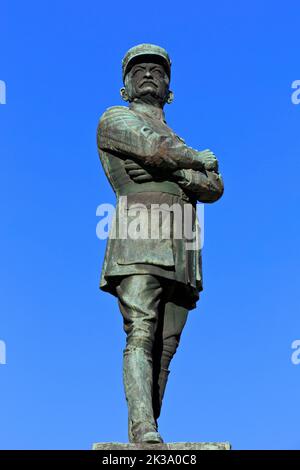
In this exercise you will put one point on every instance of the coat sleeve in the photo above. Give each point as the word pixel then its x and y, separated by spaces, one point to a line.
pixel 207 186
pixel 122 132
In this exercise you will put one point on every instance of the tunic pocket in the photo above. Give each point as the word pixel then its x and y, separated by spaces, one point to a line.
pixel 147 235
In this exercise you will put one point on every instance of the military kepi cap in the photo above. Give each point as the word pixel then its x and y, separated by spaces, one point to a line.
pixel 145 50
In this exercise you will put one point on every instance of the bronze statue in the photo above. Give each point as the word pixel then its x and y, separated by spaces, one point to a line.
pixel 156 280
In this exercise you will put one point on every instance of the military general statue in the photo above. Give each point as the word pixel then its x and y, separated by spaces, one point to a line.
pixel 157 279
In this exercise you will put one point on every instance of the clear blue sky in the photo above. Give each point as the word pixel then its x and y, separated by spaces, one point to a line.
pixel 233 66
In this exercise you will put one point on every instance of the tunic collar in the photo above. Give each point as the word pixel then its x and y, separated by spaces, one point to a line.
pixel 149 110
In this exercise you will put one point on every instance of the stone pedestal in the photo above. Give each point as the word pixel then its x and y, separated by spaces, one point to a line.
pixel 188 446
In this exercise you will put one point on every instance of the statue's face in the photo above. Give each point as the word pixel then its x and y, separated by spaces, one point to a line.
pixel 148 81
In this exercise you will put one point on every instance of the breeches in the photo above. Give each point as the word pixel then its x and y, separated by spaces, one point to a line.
pixel 153 318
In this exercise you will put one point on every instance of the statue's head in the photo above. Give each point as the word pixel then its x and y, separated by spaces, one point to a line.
pixel 146 75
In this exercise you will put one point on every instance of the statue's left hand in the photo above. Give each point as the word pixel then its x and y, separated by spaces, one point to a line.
pixel 136 172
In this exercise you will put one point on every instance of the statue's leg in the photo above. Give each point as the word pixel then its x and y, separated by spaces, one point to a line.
pixel 139 299
pixel 174 319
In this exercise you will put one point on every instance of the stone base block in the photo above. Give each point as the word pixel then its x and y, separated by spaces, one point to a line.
pixel 189 446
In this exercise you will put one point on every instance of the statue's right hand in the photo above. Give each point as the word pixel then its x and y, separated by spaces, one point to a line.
pixel 209 160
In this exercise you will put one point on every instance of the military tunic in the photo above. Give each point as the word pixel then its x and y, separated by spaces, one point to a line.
pixel 140 133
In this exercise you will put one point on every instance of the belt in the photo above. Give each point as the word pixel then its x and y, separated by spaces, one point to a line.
pixel 153 186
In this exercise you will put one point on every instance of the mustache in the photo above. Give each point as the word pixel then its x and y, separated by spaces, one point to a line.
pixel 148 81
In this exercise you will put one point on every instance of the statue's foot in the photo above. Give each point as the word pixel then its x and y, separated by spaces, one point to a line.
pixel 152 438
pixel 144 433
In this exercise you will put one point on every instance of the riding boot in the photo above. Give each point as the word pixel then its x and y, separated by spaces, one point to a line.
pixel 157 402
pixel 138 381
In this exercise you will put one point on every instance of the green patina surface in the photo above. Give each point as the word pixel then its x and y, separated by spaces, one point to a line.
pixel 157 281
